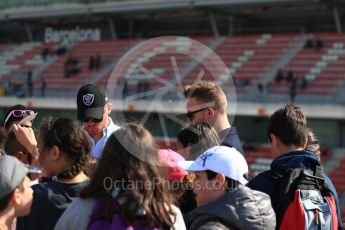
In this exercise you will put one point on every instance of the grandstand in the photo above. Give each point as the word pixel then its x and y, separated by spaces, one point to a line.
pixel 254 38
pixel 250 59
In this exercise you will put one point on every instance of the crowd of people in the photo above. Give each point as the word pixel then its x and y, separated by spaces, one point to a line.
pixel 103 175
pixel 316 44
pixel 294 82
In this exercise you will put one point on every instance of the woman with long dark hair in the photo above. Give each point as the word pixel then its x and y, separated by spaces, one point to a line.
pixel 127 190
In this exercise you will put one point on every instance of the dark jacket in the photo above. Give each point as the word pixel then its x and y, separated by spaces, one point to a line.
pixel 50 200
pixel 241 208
pixel 296 159
pixel 229 137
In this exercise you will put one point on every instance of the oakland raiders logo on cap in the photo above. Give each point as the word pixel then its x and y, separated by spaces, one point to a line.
pixel 88 99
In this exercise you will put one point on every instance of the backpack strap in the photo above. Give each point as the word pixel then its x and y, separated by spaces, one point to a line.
pixel 324 188
pixel 318 171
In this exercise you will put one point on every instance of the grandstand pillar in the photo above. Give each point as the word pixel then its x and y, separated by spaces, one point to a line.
pixel 28 32
pixel 231 25
pixel 214 24
pixel 337 19
pixel 112 28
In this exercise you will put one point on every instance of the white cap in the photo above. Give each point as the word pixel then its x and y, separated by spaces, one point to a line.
pixel 220 159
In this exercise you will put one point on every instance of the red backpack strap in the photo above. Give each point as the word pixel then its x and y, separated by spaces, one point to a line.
pixel 331 203
pixel 294 212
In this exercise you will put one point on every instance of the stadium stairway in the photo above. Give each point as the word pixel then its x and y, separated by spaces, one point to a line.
pixel 296 44
pixel 249 59
pixel 155 66
pixel 15 63
pixel 102 76
pixel 17 60
pixel 10 54
pixel 38 70
pixel 196 63
pixel 32 58
pixel 323 69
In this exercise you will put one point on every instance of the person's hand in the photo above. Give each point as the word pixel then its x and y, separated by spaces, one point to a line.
pixel 26 137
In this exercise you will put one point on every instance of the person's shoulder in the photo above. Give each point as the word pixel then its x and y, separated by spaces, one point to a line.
pixel 250 209
pixel 208 222
pixel 80 205
pixel 262 182
pixel 76 216
pixel 214 225
pixel 250 200
pixel 45 192
pixel 45 186
pixel 57 187
pixel 229 137
pixel 40 188
pixel 79 202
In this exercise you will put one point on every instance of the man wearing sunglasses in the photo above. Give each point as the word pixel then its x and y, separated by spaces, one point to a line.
pixel 93 111
pixel 206 102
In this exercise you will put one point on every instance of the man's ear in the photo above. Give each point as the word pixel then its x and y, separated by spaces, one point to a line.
pixel 109 108
pixel 220 180
pixel 211 112
pixel 21 156
pixel 305 145
pixel 274 139
pixel 189 149
pixel 276 144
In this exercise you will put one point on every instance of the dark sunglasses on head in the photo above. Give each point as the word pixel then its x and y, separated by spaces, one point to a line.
pixel 94 120
pixel 191 113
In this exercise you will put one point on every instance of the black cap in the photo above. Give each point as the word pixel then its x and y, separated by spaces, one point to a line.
pixel 91 100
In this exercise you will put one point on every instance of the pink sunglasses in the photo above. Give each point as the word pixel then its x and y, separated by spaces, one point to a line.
pixel 18 113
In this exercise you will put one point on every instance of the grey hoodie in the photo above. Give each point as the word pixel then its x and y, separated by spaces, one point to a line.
pixel 240 208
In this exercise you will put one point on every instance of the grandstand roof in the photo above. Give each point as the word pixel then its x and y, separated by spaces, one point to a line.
pixel 148 18
pixel 18 9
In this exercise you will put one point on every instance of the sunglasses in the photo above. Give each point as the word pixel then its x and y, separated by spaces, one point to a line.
pixel 18 114
pixel 191 113
pixel 93 120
